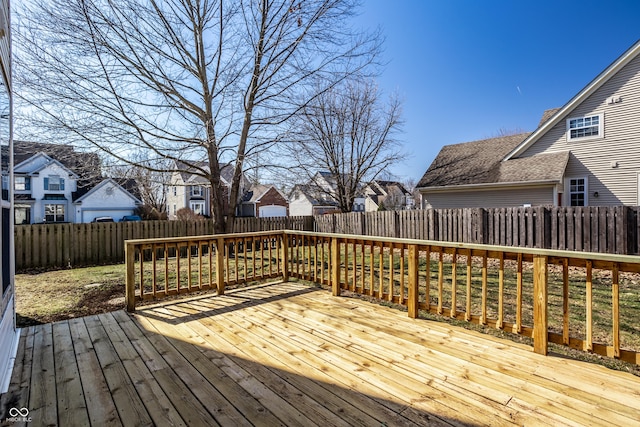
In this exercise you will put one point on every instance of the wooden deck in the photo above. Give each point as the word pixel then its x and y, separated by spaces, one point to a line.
pixel 288 354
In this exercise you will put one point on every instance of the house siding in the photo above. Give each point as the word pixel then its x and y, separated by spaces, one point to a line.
pixel 493 198
pixel 593 158
pixel 300 206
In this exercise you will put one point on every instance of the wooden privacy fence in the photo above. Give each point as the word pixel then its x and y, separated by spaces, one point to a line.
pixel 74 245
pixel 591 229
pixel 583 300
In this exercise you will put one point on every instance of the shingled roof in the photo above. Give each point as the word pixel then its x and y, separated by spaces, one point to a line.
pixel 480 162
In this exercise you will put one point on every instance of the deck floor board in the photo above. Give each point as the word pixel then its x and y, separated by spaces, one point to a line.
pixel 291 355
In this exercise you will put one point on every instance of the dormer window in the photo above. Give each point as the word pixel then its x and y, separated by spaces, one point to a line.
pixel 585 127
pixel 54 183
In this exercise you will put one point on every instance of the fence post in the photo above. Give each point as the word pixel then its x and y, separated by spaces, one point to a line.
pixel 220 265
pixel 540 298
pixel 412 302
pixel 130 287
pixel 335 267
pixel 285 256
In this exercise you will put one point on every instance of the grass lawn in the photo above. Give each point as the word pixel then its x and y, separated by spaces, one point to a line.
pixel 63 294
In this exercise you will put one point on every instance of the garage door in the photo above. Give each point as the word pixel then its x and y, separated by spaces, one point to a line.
pixel 273 210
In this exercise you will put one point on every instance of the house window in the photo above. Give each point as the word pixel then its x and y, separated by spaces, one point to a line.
pixel 5 187
pixel 22 183
pixel 54 213
pixel 197 207
pixel 54 183
pixel 196 191
pixel 22 214
pixel 577 191
pixel 585 127
pixel 175 209
pixel 175 190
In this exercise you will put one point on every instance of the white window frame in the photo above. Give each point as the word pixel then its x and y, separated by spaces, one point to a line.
pixel 569 192
pixel 194 203
pixel 196 191
pixel 56 207
pixel 55 183
pixel 579 126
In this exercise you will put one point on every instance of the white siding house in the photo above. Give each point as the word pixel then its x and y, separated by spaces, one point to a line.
pixel 105 199
pixel 585 153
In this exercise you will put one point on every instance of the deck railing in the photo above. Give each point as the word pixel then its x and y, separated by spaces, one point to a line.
pixel 587 301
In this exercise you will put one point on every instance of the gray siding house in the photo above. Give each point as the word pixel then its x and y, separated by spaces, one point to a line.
pixel 586 153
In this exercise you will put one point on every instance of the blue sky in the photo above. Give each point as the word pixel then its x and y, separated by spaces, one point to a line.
pixel 466 69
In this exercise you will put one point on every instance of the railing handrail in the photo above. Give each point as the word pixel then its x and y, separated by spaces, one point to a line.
pixel 201 237
pixel 342 266
pixel 552 253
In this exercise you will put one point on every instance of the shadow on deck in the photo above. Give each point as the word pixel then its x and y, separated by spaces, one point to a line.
pixel 289 354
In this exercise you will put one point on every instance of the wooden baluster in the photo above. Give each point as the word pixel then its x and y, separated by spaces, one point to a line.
pixel 440 279
pixel 615 311
pixel 540 300
pixel 519 295
pixel 467 315
pixel 589 308
pixel 391 271
pixel 500 322
pixel 483 314
pixel 565 301
pixel 454 284
pixel 413 297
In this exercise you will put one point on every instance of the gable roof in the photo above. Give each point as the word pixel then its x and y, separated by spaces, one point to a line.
pixel 86 165
pixel 587 91
pixel 54 162
pixel 312 193
pixel 480 162
pixel 188 175
pixel 80 196
pixel 469 162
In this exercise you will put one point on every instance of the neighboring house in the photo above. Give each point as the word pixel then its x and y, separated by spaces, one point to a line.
pixel 585 153
pixel 9 334
pixel 263 201
pixel 386 195
pixel 49 189
pixel 317 196
pixel 187 189
pixel 306 200
pixel 43 189
pixel 108 198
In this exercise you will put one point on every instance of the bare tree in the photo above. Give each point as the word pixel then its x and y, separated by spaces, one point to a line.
pixel 195 80
pixel 348 132
pixel 150 181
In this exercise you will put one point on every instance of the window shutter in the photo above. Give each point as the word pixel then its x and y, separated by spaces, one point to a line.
pixel 46 183
pixel 61 183
pixel 27 183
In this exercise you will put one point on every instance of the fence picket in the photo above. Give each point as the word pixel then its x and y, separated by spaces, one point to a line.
pixel 591 229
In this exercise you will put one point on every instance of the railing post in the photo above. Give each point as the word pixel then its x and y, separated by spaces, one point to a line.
pixel 130 287
pixel 335 266
pixel 540 298
pixel 285 256
pixel 412 302
pixel 220 265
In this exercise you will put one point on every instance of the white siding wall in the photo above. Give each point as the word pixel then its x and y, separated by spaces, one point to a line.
pixel 300 206
pixel 180 199
pixel 102 202
pixel 489 198
pixel 621 142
